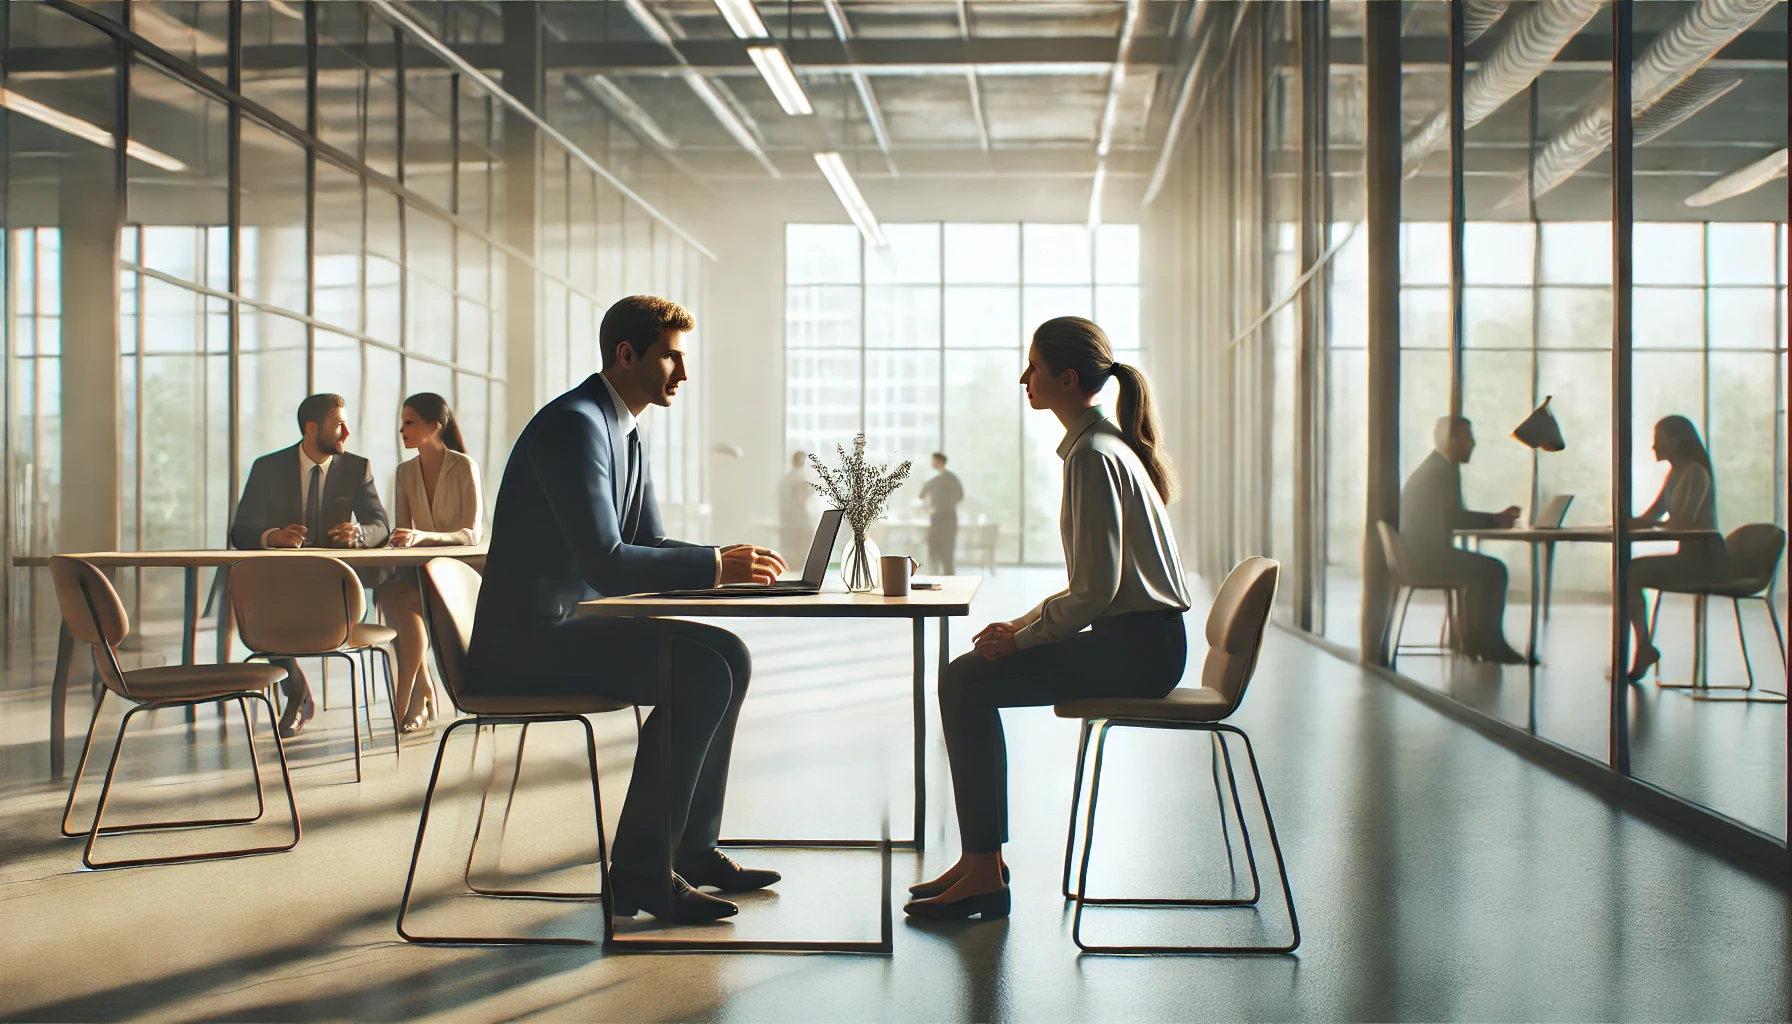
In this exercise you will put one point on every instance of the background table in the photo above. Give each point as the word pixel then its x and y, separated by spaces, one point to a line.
pixel 1536 538
pixel 191 562
pixel 953 599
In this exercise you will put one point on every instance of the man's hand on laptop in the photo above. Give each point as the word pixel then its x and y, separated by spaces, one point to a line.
pixel 749 563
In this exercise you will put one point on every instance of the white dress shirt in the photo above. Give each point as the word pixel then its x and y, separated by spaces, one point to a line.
pixel 305 465
pixel 1117 542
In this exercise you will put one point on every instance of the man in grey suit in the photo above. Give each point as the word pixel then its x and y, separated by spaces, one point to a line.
pixel 1430 510
pixel 313 494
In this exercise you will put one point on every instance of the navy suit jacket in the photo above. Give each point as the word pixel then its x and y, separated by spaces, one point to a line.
pixel 271 500
pixel 568 527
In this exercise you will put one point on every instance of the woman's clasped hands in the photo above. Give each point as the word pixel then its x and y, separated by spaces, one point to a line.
pixel 996 640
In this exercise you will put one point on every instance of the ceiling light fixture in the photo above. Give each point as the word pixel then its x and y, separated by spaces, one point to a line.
pixel 775 68
pixel 87 130
pixel 743 19
pixel 1742 181
pixel 834 169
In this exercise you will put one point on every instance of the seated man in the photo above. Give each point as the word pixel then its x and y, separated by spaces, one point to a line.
pixel 1430 509
pixel 575 520
pixel 313 494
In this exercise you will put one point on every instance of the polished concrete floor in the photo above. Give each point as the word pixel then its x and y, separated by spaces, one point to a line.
pixel 1437 875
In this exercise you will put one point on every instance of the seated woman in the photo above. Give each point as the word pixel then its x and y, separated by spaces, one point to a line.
pixel 1688 501
pixel 1126 586
pixel 436 500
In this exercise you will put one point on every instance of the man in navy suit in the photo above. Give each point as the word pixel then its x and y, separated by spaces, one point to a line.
pixel 313 494
pixel 575 520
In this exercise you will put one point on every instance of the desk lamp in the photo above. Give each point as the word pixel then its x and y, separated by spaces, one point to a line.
pixel 1539 432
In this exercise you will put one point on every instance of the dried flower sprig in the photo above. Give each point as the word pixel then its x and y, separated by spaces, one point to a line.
pixel 858 488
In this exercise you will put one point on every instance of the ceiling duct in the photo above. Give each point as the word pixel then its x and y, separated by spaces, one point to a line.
pixel 1741 182
pixel 1482 15
pixel 1679 105
pixel 1671 59
pixel 1529 47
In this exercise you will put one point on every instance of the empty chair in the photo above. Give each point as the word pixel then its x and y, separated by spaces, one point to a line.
pixel 1754 552
pixel 450 596
pixel 1404 580
pixel 94 615
pixel 310 606
pixel 1235 628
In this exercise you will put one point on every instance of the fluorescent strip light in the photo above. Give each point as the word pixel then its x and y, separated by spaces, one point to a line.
pixel 834 169
pixel 1741 182
pixel 743 19
pixel 775 68
pixel 85 130
pixel 1101 179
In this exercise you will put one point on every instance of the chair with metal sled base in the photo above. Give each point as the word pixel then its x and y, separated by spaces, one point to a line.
pixel 287 607
pixel 451 594
pixel 1754 552
pixel 95 615
pixel 1235 628
pixel 1404 579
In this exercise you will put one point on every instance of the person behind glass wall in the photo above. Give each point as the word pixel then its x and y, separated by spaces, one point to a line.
pixel 575 520
pixel 1126 585
pixel 1430 512
pixel 436 500
pixel 942 495
pixel 1688 501
pixel 796 505
pixel 314 494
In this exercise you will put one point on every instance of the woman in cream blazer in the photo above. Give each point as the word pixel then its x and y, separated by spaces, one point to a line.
pixel 436 501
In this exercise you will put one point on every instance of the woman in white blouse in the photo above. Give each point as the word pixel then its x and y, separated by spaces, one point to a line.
pixel 436 500
pixel 1115 631
pixel 1688 501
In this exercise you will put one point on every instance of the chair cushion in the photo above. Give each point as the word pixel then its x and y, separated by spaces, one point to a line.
pixel 197 682
pixel 535 704
pixel 370 634
pixel 1183 704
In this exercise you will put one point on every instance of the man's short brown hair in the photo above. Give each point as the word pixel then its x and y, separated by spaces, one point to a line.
pixel 316 407
pixel 639 320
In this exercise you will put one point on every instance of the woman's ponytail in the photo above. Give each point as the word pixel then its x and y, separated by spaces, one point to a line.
pixel 1073 343
pixel 1138 423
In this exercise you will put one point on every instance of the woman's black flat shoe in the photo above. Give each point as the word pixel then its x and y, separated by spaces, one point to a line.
pixel 928 890
pixel 988 905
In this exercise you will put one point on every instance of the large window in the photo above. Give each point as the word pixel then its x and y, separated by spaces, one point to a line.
pixel 920 344
pixel 338 224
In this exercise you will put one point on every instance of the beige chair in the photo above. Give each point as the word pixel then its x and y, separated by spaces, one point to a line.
pixel 94 614
pixel 450 597
pixel 1235 628
pixel 310 606
pixel 1404 579
pixel 1754 552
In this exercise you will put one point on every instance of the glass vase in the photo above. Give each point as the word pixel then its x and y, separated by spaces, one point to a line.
pixel 859 565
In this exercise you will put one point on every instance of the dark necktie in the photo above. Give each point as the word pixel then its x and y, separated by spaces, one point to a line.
pixel 634 472
pixel 314 507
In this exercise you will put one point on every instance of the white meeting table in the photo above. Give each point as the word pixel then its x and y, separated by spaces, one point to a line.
pixel 952 600
pixel 191 562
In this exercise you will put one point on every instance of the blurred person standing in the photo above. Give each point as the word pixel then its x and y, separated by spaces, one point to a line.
pixel 796 506
pixel 942 494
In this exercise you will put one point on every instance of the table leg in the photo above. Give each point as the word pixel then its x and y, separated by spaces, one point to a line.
pixel 919 698
pixel 1530 644
pixel 65 653
pixel 189 624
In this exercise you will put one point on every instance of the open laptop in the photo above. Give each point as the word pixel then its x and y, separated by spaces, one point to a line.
pixel 1552 514
pixel 814 569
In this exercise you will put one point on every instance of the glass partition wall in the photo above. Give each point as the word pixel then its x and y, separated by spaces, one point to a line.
pixel 1630 271
pixel 214 209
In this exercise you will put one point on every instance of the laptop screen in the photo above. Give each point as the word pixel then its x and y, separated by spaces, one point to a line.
pixel 816 568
